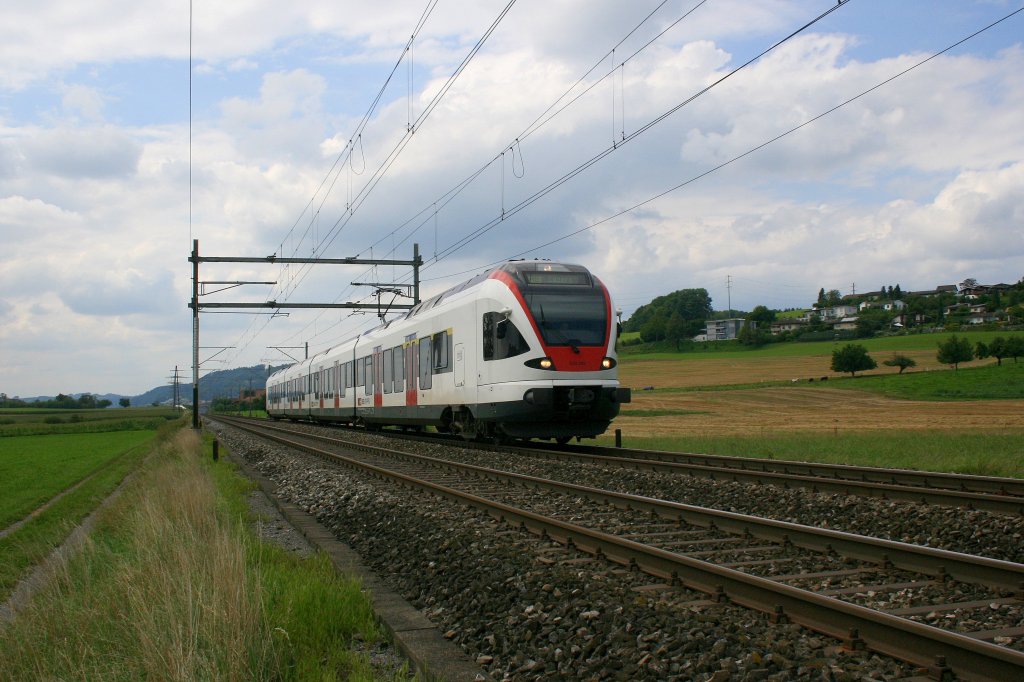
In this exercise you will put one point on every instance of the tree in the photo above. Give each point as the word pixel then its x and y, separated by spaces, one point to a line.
pixel 896 291
pixel 1015 347
pixel 752 335
pixel 981 351
pixel 997 349
pixel 852 358
pixel 653 329
pixel 675 328
pixel 821 297
pixel 955 350
pixel 833 297
pixel 901 361
pixel 762 315
pixel 125 402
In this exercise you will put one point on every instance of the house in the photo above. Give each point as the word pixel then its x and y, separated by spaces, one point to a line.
pixel 903 319
pixel 846 324
pixel 977 290
pixel 788 325
pixel 941 289
pixel 721 330
pixel 837 312
pixel 980 316
pixel 894 305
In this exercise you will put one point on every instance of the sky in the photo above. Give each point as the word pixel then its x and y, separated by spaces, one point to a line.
pixel 621 136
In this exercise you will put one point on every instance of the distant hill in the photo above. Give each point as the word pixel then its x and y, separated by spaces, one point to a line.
pixel 222 384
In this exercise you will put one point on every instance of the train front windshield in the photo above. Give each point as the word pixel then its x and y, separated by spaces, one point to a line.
pixel 569 319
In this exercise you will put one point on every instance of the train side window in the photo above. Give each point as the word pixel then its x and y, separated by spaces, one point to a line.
pixel 399 369
pixel 388 368
pixel 360 369
pixel 368 375
pixel 501 338
pixel 425 363
pixel 442 350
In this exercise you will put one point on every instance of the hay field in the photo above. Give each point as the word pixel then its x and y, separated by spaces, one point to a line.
pixel 799 407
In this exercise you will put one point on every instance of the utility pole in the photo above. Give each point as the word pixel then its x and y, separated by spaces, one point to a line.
pixel 176 383
pixel 195 334
pixel 728 288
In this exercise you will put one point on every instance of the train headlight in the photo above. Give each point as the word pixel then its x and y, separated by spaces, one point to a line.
pixel 608 363
pixel 541 363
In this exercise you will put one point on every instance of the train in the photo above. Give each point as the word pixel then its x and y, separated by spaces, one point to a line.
pixel 523 351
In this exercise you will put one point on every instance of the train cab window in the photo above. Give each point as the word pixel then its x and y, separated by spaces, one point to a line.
pixel 441 347
pixel 388 369
pixel 501 338
pixel 399 369
pixel 425 361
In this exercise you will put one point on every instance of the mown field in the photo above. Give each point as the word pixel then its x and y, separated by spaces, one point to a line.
pixel 764 403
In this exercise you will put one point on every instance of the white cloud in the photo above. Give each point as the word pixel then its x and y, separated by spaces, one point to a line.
pixel 81 153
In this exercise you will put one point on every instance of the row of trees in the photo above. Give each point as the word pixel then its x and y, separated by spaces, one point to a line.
pixel 85 401
pixel 854 357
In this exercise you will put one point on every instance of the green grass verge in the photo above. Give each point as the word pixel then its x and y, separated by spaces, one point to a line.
pixel 33 469
pixel 173 585
pixel 986 454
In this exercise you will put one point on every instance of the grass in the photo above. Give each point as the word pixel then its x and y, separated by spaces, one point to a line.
pixel 17 415
pixel 173 585
pixel 987 454
pixel 990 382
pixel 908 342
pixel 35 469
pixel 32 542
pixel 659 412
pixel 97 426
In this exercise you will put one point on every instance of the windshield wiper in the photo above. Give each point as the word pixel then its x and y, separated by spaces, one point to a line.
pixel 565 338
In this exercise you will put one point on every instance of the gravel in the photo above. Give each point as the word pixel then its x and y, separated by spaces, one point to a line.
pixel 526 609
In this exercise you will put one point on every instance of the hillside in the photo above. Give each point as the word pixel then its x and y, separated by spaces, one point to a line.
pixel 224 383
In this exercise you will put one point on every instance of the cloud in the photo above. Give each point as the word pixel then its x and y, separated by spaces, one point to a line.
pixel 119 293
pixel 81 153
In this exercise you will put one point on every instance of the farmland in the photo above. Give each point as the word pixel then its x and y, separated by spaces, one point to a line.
pixel 773 402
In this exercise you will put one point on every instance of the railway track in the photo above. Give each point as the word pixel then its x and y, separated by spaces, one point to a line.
pixel 987 493
pixel 863 591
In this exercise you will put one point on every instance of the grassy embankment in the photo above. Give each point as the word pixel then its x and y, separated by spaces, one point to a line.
pixel 929 418
pixel 173 585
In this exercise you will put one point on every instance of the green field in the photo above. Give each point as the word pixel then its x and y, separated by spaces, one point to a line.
pixel 35 468
pixel 990 382
pixel 730 349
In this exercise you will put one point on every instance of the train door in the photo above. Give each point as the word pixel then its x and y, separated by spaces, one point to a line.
pixel 460 365
pixel 336 385
pixel 378 378
pixel 411 369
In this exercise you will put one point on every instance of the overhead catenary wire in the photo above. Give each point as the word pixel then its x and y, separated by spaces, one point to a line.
pixel 736 158
pixel 433 209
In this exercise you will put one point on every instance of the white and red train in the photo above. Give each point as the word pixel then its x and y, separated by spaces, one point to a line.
pixel 526 350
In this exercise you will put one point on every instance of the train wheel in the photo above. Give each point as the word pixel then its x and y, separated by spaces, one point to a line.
pixel 562 440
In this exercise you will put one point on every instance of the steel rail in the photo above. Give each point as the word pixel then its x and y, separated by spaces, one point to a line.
pixel 916 643
pixel 988 493
pixel 992 485
pixel 938 563
pixel 998 503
